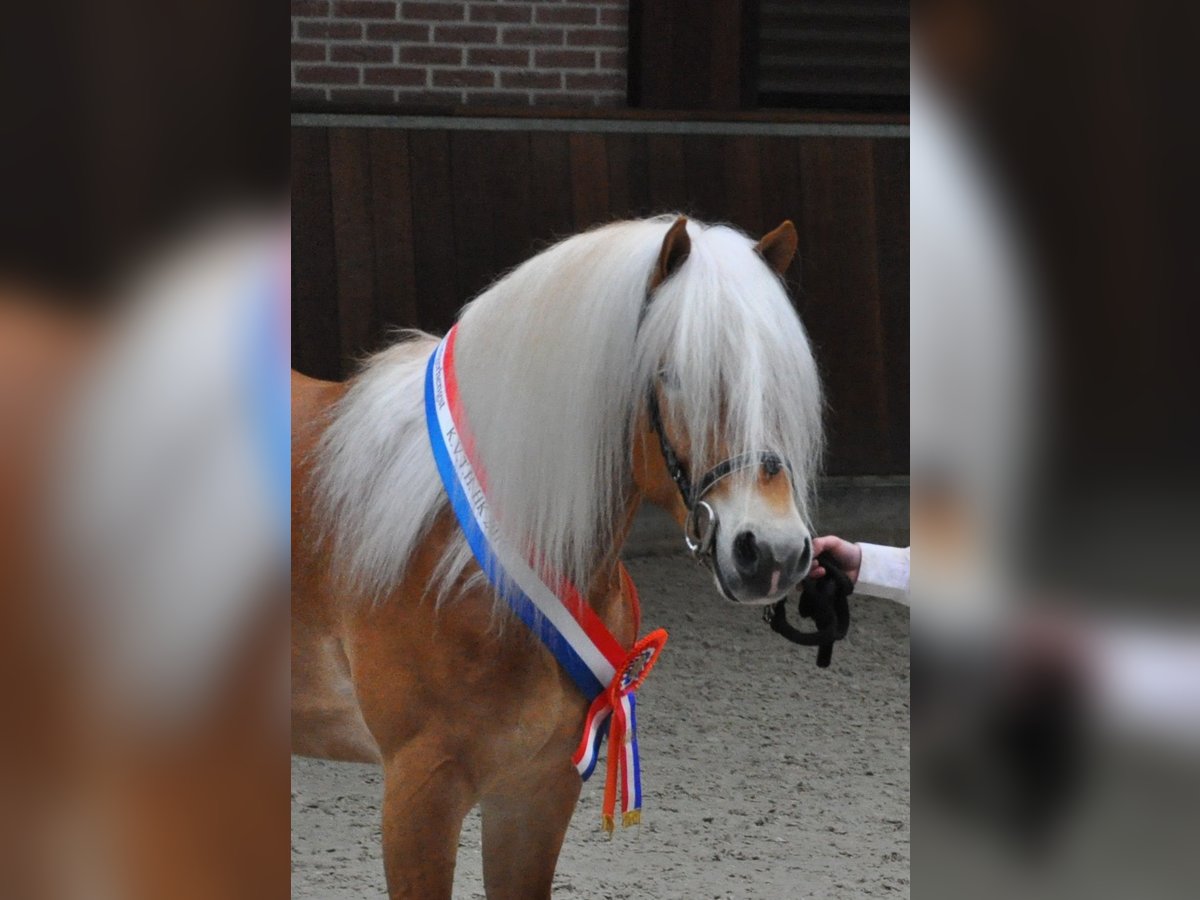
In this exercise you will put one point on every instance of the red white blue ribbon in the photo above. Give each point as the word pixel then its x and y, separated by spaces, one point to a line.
pixel 606 673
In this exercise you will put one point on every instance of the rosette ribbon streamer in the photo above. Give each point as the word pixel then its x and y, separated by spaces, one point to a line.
pixel 607 674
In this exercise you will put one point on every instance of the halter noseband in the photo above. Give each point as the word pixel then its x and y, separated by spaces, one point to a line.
pixel 700 527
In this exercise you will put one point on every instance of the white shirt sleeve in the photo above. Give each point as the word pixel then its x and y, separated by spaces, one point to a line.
pixel 1147 680
pixel 884 572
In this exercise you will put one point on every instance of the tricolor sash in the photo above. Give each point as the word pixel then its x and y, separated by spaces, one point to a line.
pixel 606 673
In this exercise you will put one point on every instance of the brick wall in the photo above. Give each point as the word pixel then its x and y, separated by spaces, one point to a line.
pixel 485 52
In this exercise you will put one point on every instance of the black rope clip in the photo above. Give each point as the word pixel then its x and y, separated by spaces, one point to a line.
pixel 825 600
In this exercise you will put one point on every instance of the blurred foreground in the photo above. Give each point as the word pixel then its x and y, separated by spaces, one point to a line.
pixel 143 585
pixel 143 451
pixel 1055 622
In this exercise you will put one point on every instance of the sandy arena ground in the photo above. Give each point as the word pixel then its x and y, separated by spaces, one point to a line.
pixel 765 777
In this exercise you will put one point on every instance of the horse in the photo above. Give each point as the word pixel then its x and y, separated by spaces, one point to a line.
pixel 655 360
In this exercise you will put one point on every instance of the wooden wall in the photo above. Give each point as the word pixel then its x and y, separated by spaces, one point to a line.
pixel 693 54
pixel 401 226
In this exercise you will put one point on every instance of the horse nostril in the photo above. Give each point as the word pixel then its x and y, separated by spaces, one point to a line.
pixel 745 551
pixel 805 556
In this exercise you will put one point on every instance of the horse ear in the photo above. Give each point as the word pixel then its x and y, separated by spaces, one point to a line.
pixel 779 247
pixel 675 249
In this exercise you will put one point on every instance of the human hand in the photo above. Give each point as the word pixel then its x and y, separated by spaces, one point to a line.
pixel 848 556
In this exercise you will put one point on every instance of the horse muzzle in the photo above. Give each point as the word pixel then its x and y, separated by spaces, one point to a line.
pixel 752 569
pixel 767 569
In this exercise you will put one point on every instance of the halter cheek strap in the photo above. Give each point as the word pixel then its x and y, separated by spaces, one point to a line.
pixel 700 528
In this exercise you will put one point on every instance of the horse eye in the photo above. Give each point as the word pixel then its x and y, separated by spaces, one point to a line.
pixel 771 465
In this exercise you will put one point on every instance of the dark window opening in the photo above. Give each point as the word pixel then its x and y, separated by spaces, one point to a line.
pixel 833 55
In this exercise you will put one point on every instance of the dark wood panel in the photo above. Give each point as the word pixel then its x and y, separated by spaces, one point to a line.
pixel 392 221
pixel 664 166
pixel 589 179
pixel 553 215
pixel 433 238
pixel 628 184
pixel 472 170
pixel 841 284
pixel 743 172
pixel 783 200
pixel 316 347
pixel 353 241
pixel 400 228
pixel 891 233
pixel 704 177
pixel 509 201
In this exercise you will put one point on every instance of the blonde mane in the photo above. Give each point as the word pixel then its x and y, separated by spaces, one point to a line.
pixel 553 372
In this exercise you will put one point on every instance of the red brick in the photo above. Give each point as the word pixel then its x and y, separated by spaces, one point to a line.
pixel 497 98
pixel 613 59
pixel 614 17
pixel 308 52
pixel 438 12
pixel 595 81
pixel 611 99
pixel 428 98
pixel 462 78
pixel 565 59
pixel 365 9
pixel 327 75
pixel 335 30
pixel 378 96
pixel 541 36
pixel 397 31
pixel 558 98
pixel 405 77
pixel 596 37
pixel 427 54
pixel 531 80
pixel 496 13
pixel 574 15
pixel 309 8
pixel 497 56
pixel 465 34
pixel 369 53
pixel 308 95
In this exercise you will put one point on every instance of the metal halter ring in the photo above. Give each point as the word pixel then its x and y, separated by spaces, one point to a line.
pixel 699 535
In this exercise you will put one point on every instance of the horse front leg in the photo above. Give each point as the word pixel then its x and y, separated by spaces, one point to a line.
pixel 524 823
pixel 427 794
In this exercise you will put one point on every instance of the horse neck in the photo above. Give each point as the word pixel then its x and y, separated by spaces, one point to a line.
pixel 604 592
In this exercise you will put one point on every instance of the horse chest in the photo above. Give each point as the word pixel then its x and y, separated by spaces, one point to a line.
pixel 482 687
pixel 520 698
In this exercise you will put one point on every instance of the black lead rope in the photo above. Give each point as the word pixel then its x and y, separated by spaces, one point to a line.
pixel 825 600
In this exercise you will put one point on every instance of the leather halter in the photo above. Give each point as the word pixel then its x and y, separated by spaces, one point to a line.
pixel 822 600
pixel 700 534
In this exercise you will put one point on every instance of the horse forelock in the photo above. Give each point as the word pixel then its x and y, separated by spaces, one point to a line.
pixel 553 363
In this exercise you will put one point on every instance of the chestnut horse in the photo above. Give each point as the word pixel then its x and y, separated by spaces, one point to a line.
pixel 650 360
